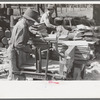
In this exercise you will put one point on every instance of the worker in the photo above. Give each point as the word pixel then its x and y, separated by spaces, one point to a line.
pixel 19 39
pixel 48 20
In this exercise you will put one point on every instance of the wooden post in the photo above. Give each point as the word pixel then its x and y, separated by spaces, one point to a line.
pixel 46 70
pixel 38 8
pixel 39 61
pixel 57 39
pixel 61 63
pixel 19 9
pixel 56 10
pixel 68 60
pixel 66 7
pixel 45 6
pixel 12 22
pixel 96 13
pixel 80 7
pixel 36 58
pixel 42 7
pixel 61 7
pixel 73 7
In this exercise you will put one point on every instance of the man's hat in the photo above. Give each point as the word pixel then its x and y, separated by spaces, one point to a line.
pixel 50 6
pixel 31 14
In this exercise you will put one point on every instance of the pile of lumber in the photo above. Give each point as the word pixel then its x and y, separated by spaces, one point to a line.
pixel 82 50
pixel 82 53
pixel 4 63
pixel 82 32
pixel 73 21
pixel 4 38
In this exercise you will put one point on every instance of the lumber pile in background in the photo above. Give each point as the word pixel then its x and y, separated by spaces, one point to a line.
pixel 4 63
pixel 4 37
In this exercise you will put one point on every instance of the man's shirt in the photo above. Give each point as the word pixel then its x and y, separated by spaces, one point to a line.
pixel 47 19
pixel 20 35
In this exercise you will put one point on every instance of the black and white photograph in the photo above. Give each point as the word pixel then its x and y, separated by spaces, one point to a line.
pixel 50 49
pixel 49 42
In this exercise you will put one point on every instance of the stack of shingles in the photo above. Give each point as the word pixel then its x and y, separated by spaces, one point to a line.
pixel 4 38
pixel 4 62
pixel 82 54
pixel 88 36
pixel 1 36
pixel 81 57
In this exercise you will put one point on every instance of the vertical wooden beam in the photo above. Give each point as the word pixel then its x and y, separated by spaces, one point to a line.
pixel 68 60
pixel 42 7
pixel 61 7
pixel 38 8
pixel 66 7
pixel 56 10
pixel 73 6
pixel 46 70
pixel 36 58
pixel 40 61
pixel 96 13
pixel 19 9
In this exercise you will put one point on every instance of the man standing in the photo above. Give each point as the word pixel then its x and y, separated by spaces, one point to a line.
pixel 48 20
pixel 19 39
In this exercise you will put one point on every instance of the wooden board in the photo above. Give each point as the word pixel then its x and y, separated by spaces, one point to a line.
pixel 52 37
pixel 75 43
pixel 34 75
pixel 68 60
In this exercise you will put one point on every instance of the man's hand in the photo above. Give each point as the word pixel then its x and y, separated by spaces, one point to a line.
pixel 32 30
pixel 41 36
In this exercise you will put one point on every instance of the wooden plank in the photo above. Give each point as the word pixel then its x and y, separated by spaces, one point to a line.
pixel 75 43
pixel 36 59
pixel 68 60
pixel 52 37
pixel 35 75
pixel 47 64
pixel 81 57
pixel 71 53
pixel 28 67
pixel 82 47
pixel 39 61
pixel 82 53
